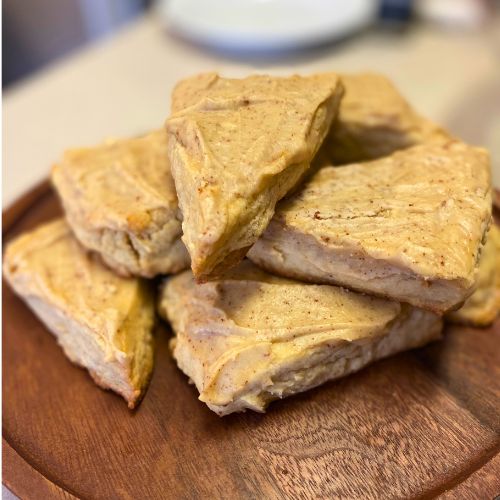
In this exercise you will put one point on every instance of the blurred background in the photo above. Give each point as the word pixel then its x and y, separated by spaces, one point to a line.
pixel 37 32
pixel 77 71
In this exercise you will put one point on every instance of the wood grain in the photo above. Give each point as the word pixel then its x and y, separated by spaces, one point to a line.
pixel 16 470
pixel 421 424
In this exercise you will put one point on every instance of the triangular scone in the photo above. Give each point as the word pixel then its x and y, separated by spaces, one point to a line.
pixel 191 90
pixel 235 150
pixel 483 306
pixel 120 201
pixel 250 337
pixel 409 226
pixel 103 322
pixel 375 120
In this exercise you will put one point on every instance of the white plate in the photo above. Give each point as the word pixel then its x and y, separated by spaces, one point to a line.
pixel 266 25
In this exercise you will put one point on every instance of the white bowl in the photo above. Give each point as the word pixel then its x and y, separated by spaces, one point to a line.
pixel 266 25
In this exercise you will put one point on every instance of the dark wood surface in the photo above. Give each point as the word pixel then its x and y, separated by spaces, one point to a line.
pixel 420 424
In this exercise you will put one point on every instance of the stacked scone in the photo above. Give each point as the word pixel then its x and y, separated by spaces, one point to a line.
pixel 326 224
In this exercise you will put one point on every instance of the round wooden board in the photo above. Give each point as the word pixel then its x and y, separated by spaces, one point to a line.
pixel 419 424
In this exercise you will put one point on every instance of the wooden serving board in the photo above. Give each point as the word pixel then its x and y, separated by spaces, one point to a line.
pixel 420 424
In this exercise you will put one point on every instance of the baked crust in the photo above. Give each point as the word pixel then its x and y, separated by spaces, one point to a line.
pixel 250 337
pixel 483 306
pixel 375 120
pixel 120 201
pixel 238 146
pixel 106 327
pixel 409 227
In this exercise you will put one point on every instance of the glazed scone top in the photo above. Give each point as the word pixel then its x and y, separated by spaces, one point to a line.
pixel 48 263
pixel 483 306
pixel 426 208
pixel 247 298
pixel 370 99
pixel 124 183
pixel 189 91
pixel 213 89
pixel 375 120
pixel 237 146
pixel 254 319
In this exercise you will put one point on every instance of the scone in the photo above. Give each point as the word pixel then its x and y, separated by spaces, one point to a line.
pixel 250 337
pixel 236 147
pixel 103 322
pixel 408 227
pixel 120 201
pixel 483 306
pixel 375 120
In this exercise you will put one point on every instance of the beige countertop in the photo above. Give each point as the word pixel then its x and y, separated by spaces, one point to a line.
pixel 121 86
